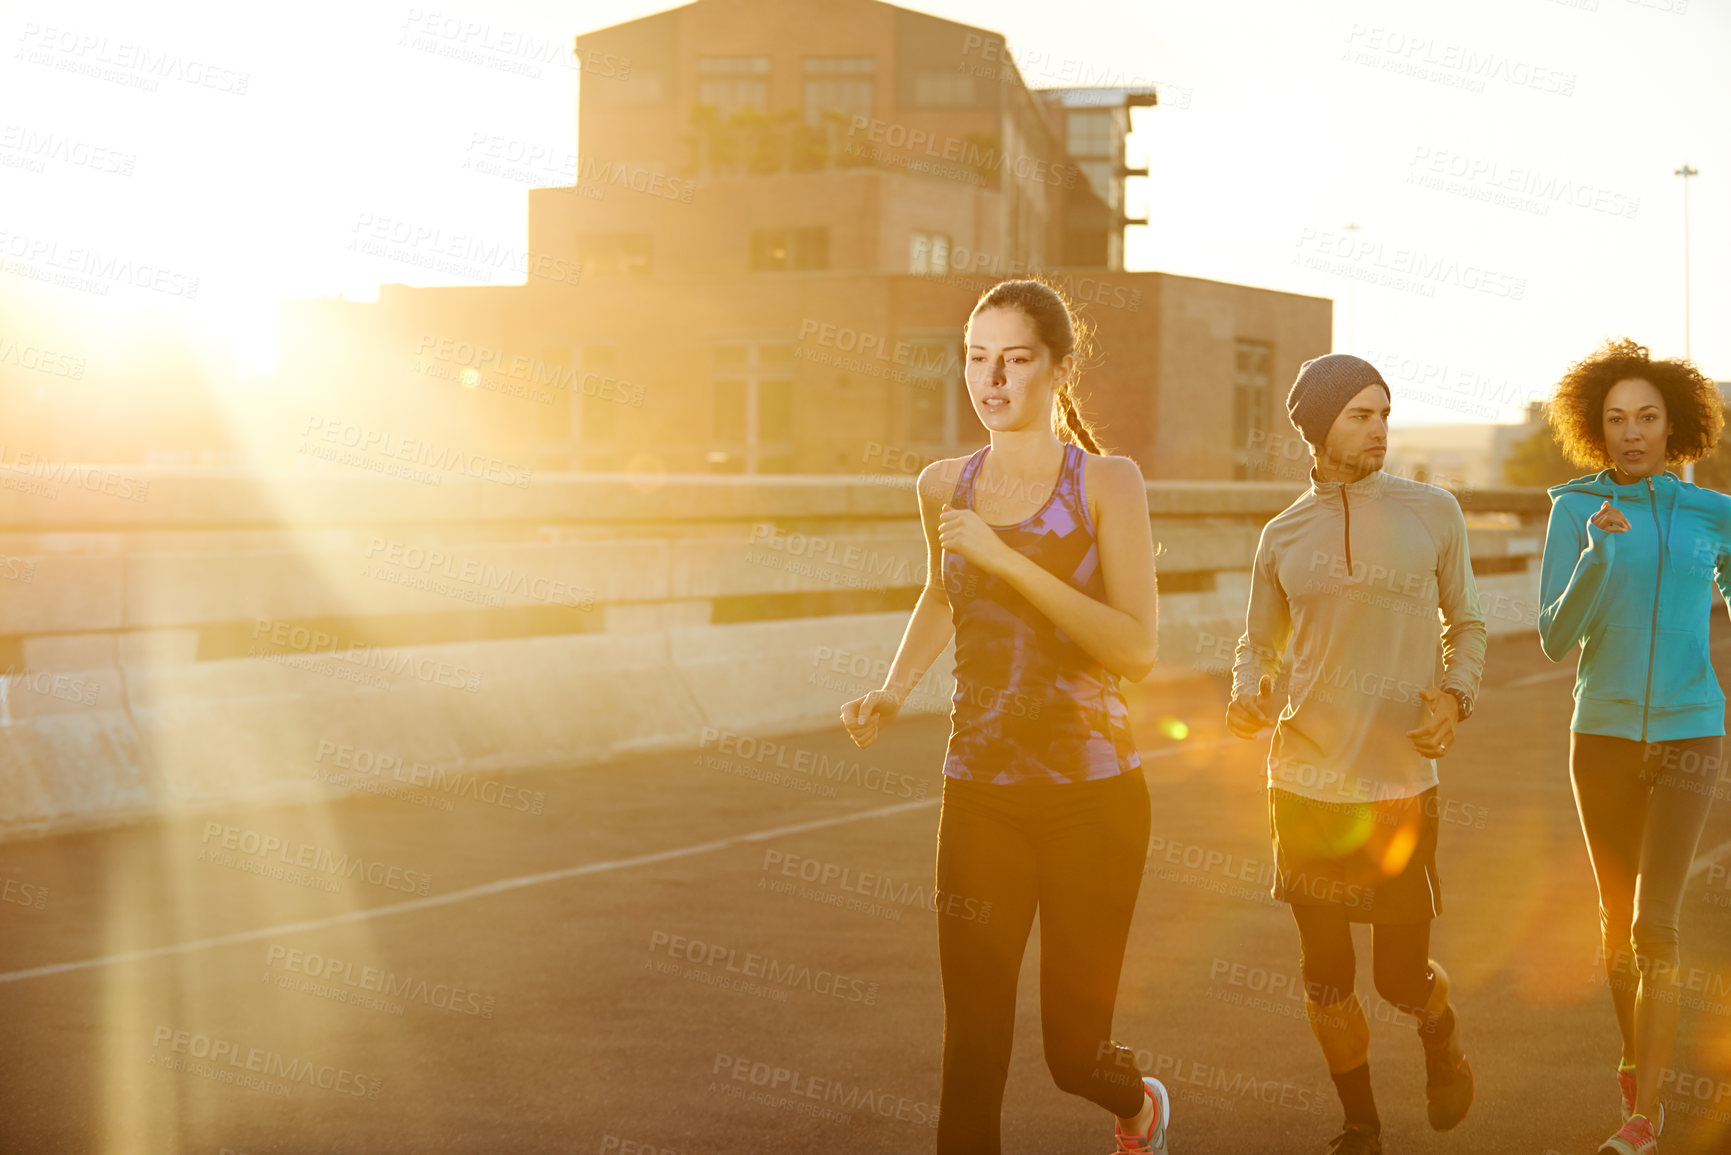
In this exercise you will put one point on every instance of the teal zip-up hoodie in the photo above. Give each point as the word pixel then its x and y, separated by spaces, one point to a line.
pixel 1639 602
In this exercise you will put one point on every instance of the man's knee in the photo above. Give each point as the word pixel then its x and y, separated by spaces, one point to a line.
pixel 1407 988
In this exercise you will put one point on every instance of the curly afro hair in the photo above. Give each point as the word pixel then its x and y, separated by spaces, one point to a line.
pixel 1577 407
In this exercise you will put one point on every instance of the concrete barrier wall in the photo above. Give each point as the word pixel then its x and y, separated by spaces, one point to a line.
pixel 114 706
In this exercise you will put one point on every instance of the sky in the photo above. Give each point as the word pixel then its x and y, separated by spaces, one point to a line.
pixel 1486 188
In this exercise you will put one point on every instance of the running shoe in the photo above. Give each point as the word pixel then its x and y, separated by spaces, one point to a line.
pixel 1635 1138
pixel 1357 1139
pixel 1626 1082
pixel 1448 1082
pixel 1154 1142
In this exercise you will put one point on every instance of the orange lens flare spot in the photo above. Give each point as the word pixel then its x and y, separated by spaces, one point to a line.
pixel 1399 851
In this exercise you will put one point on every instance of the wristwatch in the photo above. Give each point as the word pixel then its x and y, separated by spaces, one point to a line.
pixel 1460 697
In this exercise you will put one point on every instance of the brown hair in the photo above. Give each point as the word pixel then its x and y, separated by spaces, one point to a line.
pixel 1576 410
pixel 1063 331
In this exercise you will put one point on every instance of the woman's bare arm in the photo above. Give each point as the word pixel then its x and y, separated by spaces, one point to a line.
pixel 931 627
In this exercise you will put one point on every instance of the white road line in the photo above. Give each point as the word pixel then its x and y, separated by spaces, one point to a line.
pixel 498 887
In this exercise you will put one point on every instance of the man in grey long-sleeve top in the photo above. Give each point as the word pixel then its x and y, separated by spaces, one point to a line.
pixel 1353 574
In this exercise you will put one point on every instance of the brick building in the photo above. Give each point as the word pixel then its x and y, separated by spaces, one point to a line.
pixel 782 214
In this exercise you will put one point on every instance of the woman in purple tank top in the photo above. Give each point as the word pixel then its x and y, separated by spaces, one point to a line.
pixel 1041 565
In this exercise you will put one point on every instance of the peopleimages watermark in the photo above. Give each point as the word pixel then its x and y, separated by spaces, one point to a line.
pixel 503 49
pixel 30 150
pixel 869 884
pixel 50 684
pixel 755 971
pixel 87 269
pixel 485 581
pixel 978 269
pixel 34 896
pixel 245 1064
pixel 817 558
pixel 767 753
pixel 41 360
pixel 975 155
pixel 870 672
pixel 123 62
pixel 1290 457
pixel 1448 64
pixel 304 640
pixel 800 1093
pixel 495 154
pixel 1464 388
pixel 1404 268
pixel 1197 1078
pixel 922 358
pixel 467 362
pixel 370 980
pixel 382 451
pixel 461 254
pixel 357 763
pixel 1689 769
pixel 1697 988
pixel 865 672
pixel 1235 869
pixel 632 1147
pixel 1511 186
pixel 1718 877
pixel 31 474
pixel 309 856
pixel 1065 71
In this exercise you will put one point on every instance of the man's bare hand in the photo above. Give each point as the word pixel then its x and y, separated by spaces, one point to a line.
pixel 1247 717
pixel 1437 733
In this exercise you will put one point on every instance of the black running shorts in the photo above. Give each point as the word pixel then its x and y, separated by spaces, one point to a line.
pixel 1377 860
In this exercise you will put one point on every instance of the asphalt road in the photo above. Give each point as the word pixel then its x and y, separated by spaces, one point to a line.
pixel 677 955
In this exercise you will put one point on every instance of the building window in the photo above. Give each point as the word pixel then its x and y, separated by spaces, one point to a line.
pixel 943 90
pixel 732 84
pixel 1102 179
pixel 934 383
pixel 784 250
pixel 839 84
pixel 1091 134
pixel 1250 403
pixel 929 253
pixel 752 409
pixel 609 253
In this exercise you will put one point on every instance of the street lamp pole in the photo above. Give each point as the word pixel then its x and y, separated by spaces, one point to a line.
pixel 1686 172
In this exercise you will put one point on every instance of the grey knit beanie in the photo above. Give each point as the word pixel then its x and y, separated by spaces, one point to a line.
pixel 1323 387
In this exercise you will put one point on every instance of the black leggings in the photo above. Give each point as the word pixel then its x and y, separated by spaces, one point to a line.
pixel 1643 807
pixel 1076 851
pixel 1400 958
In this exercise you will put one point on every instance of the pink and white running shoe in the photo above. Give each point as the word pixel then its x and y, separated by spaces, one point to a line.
pixel 1154 1142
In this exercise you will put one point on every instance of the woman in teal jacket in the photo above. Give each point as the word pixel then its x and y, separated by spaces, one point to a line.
pixel 1632 558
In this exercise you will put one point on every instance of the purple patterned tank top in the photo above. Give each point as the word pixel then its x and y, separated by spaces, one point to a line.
pixel 1030 704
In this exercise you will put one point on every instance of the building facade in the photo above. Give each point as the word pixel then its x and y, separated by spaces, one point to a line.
pixel 782 216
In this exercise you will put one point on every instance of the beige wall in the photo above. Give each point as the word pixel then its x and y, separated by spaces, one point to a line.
pixel 1201 321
